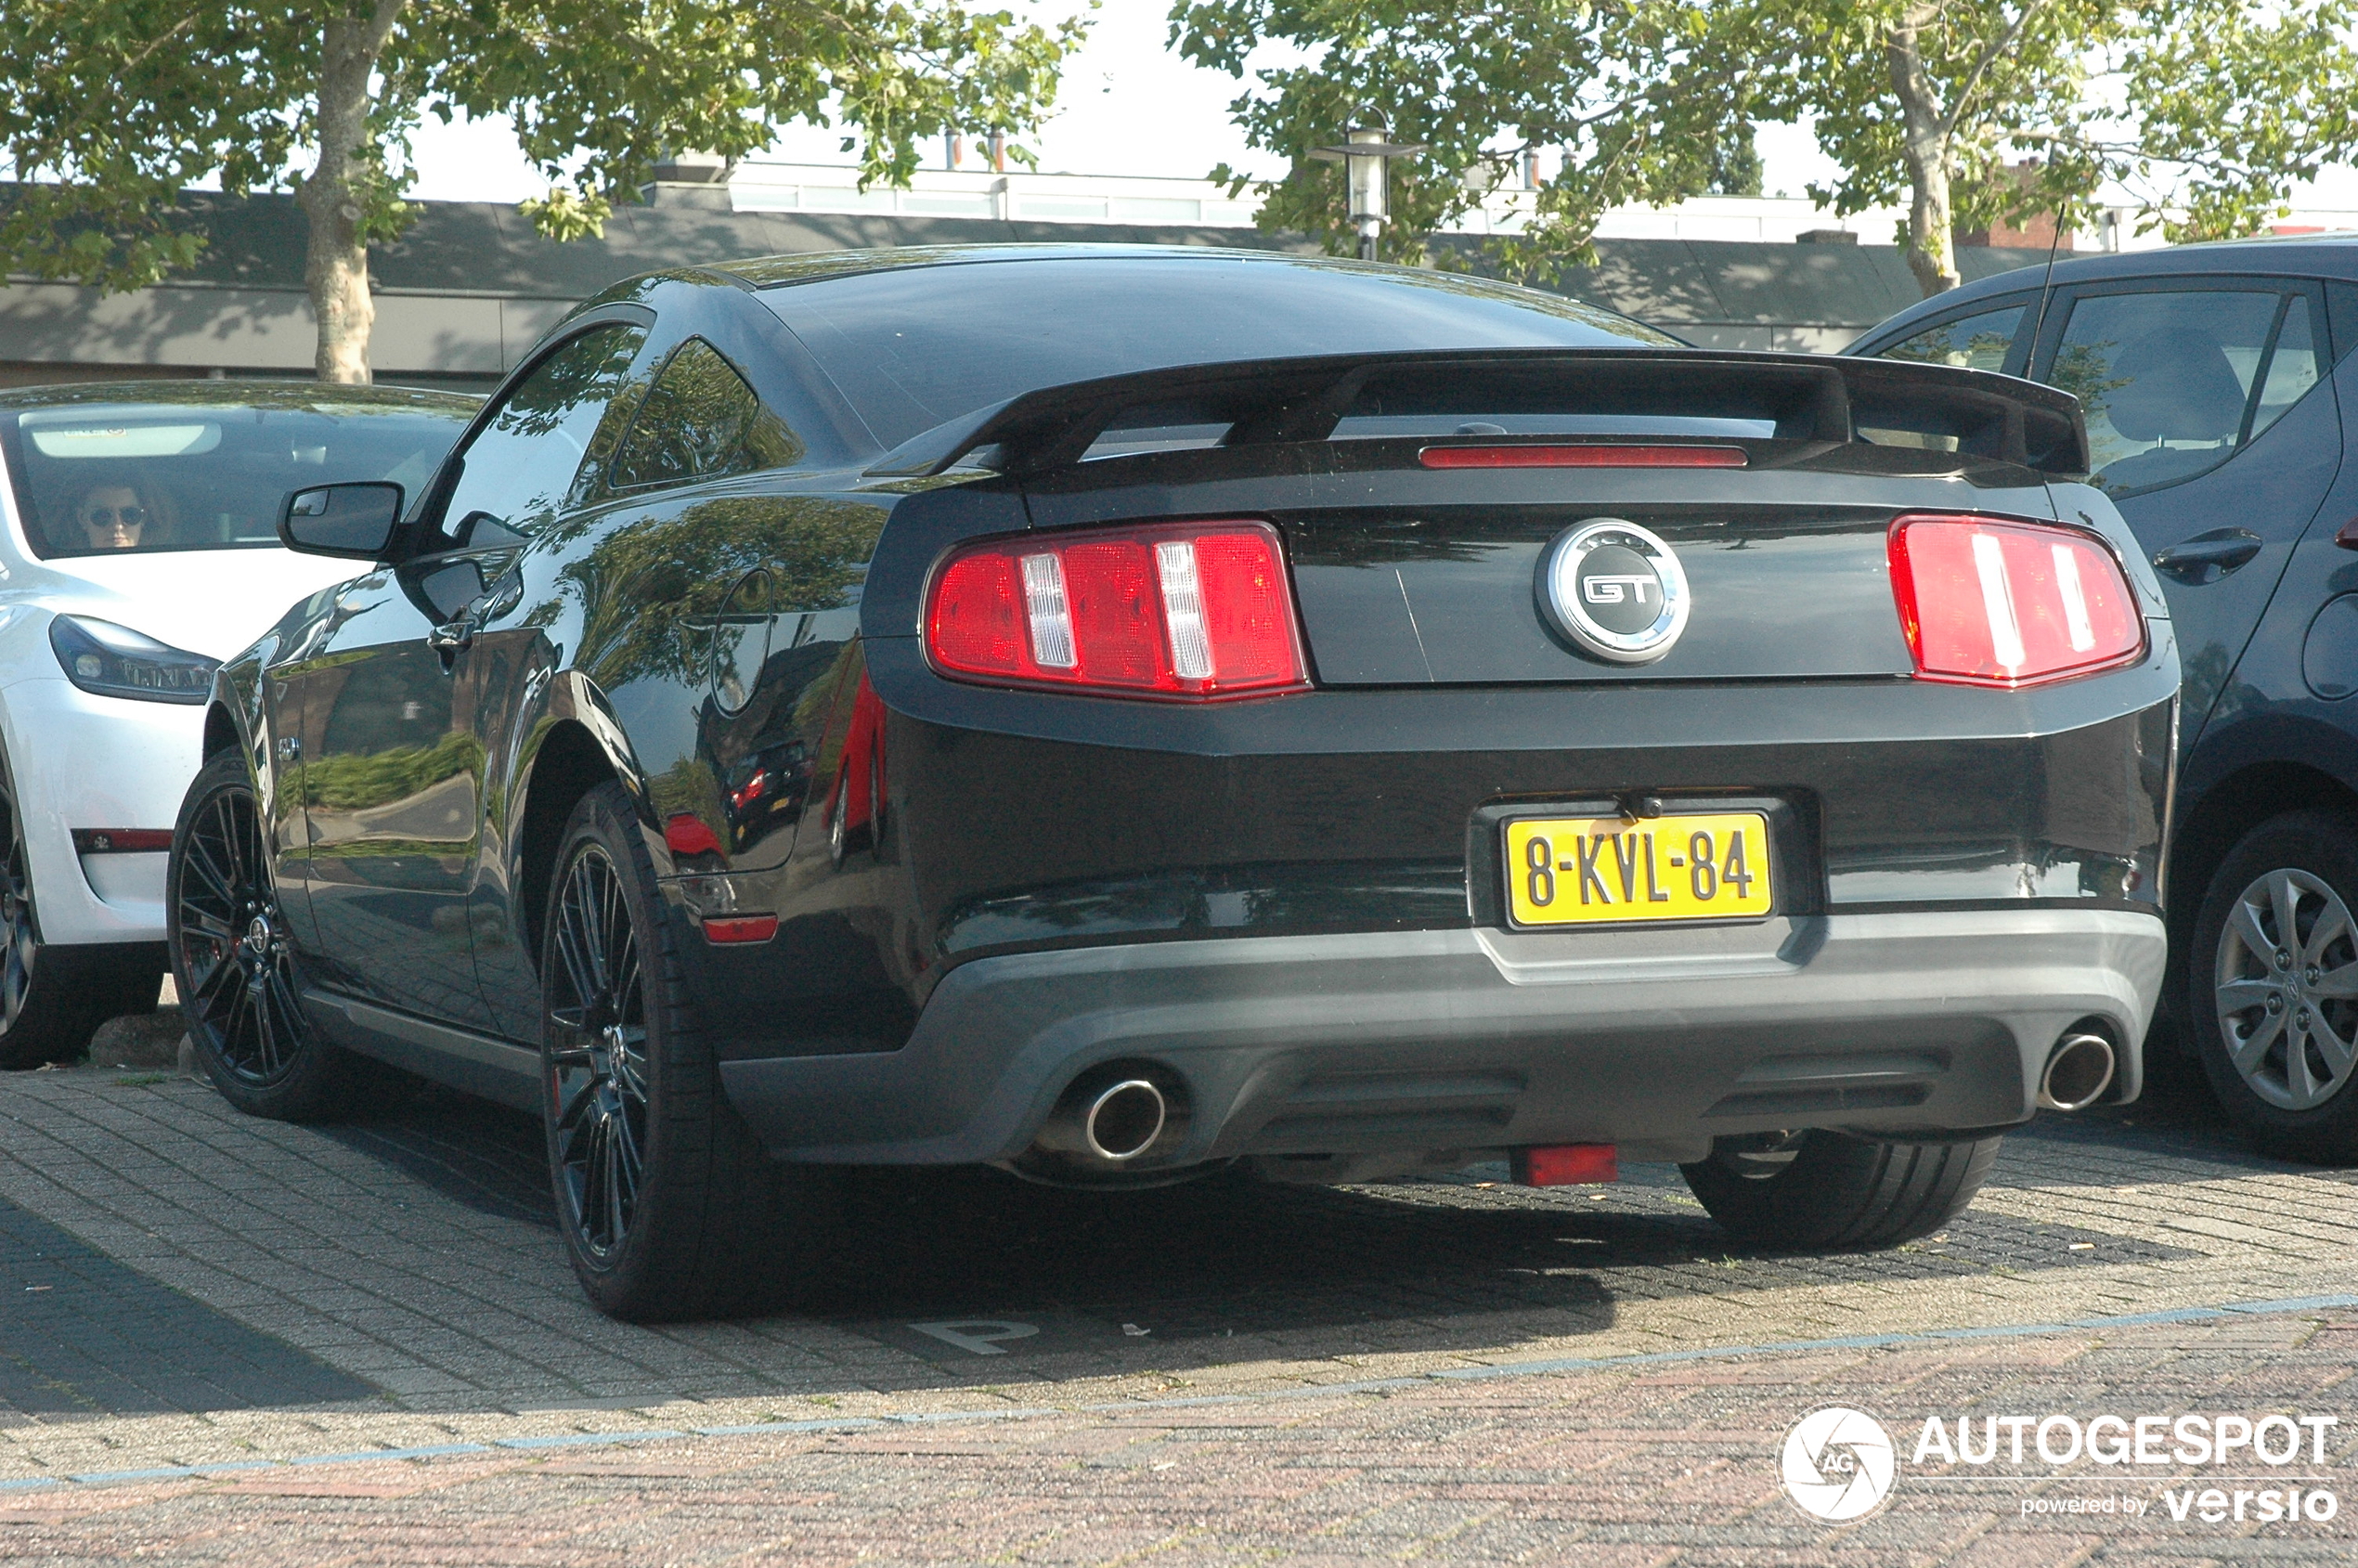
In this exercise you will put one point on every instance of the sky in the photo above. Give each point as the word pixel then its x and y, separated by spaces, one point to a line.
pixel 1128 106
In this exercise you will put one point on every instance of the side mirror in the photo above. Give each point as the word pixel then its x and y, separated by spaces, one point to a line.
pixel 354 521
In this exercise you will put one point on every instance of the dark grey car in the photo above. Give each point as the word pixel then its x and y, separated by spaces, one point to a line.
pixel 2218 385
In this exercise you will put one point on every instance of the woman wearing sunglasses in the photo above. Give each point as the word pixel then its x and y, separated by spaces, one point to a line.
pixel 114 516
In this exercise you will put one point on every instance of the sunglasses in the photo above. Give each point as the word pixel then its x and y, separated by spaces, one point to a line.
pixel 111 517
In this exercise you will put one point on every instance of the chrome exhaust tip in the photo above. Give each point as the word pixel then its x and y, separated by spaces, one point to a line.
pixel 1110 1117
pixel 2079 1071
pixel 1124 1121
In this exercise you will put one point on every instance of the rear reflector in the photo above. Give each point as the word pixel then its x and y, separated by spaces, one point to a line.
pixel 1191 611
pixel 120 841
pixel 1585 456
pixel 1564 1165
pixel 726 929
pixel 1987 604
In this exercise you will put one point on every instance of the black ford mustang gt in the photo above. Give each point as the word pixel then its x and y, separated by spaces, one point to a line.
pixel 1114 714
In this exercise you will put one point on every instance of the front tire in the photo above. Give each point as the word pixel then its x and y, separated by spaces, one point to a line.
pixel 669 1206
pixel 2273 986
pixel 1828 1190
pixel 236 966
pixel 53 999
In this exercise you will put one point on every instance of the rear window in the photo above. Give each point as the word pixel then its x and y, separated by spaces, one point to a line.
pixel 104 478
pixel 913 347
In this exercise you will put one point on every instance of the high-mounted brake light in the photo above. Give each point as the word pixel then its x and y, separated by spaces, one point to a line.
pixel 1584 455
pixel 1190 611
pixel 1990 604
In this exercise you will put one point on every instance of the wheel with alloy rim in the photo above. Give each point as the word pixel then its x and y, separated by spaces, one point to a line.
pixel 2275 983
pixel 52 998
pixel 597 1056
pixel 24 943
pixel 1829 1190
pixel 669 1206
pixel 235 962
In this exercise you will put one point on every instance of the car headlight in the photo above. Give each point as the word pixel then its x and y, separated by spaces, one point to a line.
pixel 115 661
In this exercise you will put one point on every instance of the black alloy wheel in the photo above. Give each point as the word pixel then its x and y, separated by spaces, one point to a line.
pixel 16 920
pixel 597 1055
pixel 53 999
pixel 668 1205
pixel 1825 1190
pixel 235 962
pixel 2273 986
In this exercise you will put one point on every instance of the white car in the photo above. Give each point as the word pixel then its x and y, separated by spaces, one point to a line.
pixel 138 548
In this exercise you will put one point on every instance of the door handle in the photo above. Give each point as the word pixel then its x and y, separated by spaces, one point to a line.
pixel 453 637
pixel 2207 557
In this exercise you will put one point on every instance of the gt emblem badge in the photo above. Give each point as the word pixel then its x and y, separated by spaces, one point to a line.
pixel 1615 589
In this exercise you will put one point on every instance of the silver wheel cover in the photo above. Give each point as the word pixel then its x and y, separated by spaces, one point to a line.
pixel 2286 982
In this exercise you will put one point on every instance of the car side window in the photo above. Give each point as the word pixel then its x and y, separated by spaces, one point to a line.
pixel 701 420
pixel 2175 383
pixel 521 469
pixel 1981 341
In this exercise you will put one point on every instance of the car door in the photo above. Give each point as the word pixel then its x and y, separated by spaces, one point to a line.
pixel 394 757
pixel 2203 427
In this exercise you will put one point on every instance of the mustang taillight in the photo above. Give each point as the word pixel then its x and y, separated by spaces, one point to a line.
pixel 1990 604
pixel 1191 611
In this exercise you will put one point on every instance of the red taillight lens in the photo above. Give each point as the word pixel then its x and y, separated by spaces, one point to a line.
pixel 1189 610
pixel 684 833
pixel 1992 603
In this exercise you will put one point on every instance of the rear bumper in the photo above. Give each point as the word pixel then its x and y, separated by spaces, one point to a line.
pixel 1402 1041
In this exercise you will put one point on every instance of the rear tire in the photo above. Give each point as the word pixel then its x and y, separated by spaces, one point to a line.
pixel 237 972
pixel 1832 1191
pixel 669 1206
pixel 53 999
pixel 2275 1014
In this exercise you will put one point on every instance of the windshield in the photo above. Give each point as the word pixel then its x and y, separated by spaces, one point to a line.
pixel 911 348
pixel 110 478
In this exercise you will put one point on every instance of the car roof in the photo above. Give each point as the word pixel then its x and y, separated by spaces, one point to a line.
pixel 229 393
pixel 2289 255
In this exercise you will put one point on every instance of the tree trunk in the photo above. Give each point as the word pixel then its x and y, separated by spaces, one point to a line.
pixel 335 263
pixel 1932 252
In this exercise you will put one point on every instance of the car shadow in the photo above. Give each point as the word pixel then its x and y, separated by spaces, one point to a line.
pixel 1436 1263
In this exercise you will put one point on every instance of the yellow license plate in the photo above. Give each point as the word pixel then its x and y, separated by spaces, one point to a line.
pixel 1577 870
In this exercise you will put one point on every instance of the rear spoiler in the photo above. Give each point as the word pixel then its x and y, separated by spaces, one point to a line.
pixel 1263 401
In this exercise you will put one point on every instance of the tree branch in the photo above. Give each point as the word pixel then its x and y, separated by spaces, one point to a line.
pixel 1998 46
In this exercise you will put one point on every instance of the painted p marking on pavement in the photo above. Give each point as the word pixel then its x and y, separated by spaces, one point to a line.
pixel 982 1336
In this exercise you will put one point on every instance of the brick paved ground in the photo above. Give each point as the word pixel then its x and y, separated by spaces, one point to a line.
pixel 1643 1465
pixel 412 1254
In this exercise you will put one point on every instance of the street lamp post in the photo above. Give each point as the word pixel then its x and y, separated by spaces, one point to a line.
pixel 1366 155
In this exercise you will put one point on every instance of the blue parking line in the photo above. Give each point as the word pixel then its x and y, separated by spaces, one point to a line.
pixel 434 1453
pixel 586 1439
pixel 839 1423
